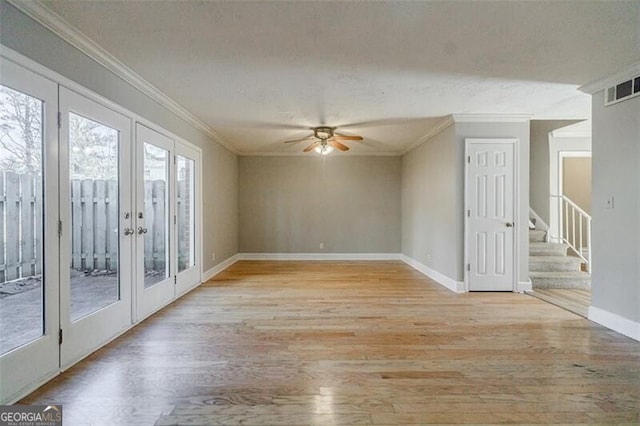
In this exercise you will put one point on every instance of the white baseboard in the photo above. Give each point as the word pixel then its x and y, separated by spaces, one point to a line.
pixel 455 286
pixel 319 256
pixel 450 283
pixel 615 322
pixel 524 286
pixel 207 275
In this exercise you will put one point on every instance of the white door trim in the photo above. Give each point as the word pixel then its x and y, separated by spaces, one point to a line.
pixel 516 207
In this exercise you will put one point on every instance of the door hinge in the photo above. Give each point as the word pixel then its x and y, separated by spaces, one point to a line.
pixel 175 219
pixel 468 267
pixel 175 279
pixel 59 120
pixel 469 159
pixel 469 213
pixel 60 336
pixel 59 228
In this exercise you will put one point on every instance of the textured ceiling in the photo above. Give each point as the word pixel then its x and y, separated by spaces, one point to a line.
pixel 261 72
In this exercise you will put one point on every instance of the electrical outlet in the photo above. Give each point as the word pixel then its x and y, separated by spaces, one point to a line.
pixel 321 245
pixel 213 256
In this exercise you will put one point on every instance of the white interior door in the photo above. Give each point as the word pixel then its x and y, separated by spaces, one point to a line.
pixel 187 222
pixel 155 256
pixel 490 227
pixel 96 238
pixel 28 230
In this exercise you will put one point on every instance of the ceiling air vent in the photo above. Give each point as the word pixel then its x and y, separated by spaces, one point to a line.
pixel 625 90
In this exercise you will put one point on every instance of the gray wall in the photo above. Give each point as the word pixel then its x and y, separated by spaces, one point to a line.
pixel 616 232
pixel 430 203
pixel 292 204
pixel 220 204
pixel 22 34
pixel 539 164
pixel 433 196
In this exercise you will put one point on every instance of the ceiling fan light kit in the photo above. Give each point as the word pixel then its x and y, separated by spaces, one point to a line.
pixel 323 149
pixel 328 140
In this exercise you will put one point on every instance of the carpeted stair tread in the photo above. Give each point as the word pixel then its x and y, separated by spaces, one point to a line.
pixel 536 235
pixel 554 263
pixel 547 249
pixel 564 279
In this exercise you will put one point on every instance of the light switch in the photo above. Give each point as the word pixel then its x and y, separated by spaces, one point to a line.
pixel 609 203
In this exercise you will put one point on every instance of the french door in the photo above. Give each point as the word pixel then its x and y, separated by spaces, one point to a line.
pixel 28 230
pixel 167 220
pixel 98 227
pixel 154 215
pixel 187 217
pixel 97 233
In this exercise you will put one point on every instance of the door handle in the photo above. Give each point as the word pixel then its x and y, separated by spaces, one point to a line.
pixel 141 230
pixel 128 231
pixel 510 224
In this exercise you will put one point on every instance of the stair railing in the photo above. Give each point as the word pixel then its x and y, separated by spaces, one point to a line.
pixel 537 220
pixel 574 228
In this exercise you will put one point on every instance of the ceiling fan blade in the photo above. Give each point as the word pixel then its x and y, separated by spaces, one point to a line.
pixel 346 137
pixel 334 143
pixel 300 140
pixel 313 145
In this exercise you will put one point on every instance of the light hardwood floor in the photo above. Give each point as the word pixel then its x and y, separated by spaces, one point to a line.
pixel 352 343
pixel 572 299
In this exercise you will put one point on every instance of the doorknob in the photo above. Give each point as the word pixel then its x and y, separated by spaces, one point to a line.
pixel 141 230
pixel 128 231
pixel 510 224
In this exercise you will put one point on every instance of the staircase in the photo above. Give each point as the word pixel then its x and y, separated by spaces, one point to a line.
pixel 550 267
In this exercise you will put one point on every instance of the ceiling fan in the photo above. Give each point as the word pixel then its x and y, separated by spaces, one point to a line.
pixel 327 140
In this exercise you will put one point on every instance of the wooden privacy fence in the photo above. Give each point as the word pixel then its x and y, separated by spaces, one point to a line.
pixel 155 219
pixel 184 238
pixel 94 221
pixel 20 226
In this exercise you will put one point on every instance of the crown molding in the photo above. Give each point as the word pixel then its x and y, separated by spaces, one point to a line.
pixel 575 118
pixel 580 129
pixel 594 87
pixel 55 23
pixel 444 123
pixel 491 118
pixel 570 134
pixel 447 121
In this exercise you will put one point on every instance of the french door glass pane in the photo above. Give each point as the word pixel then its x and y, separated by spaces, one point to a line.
pixel 93 171
pixel 21 225
pixel 156 214
pixel 186 213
